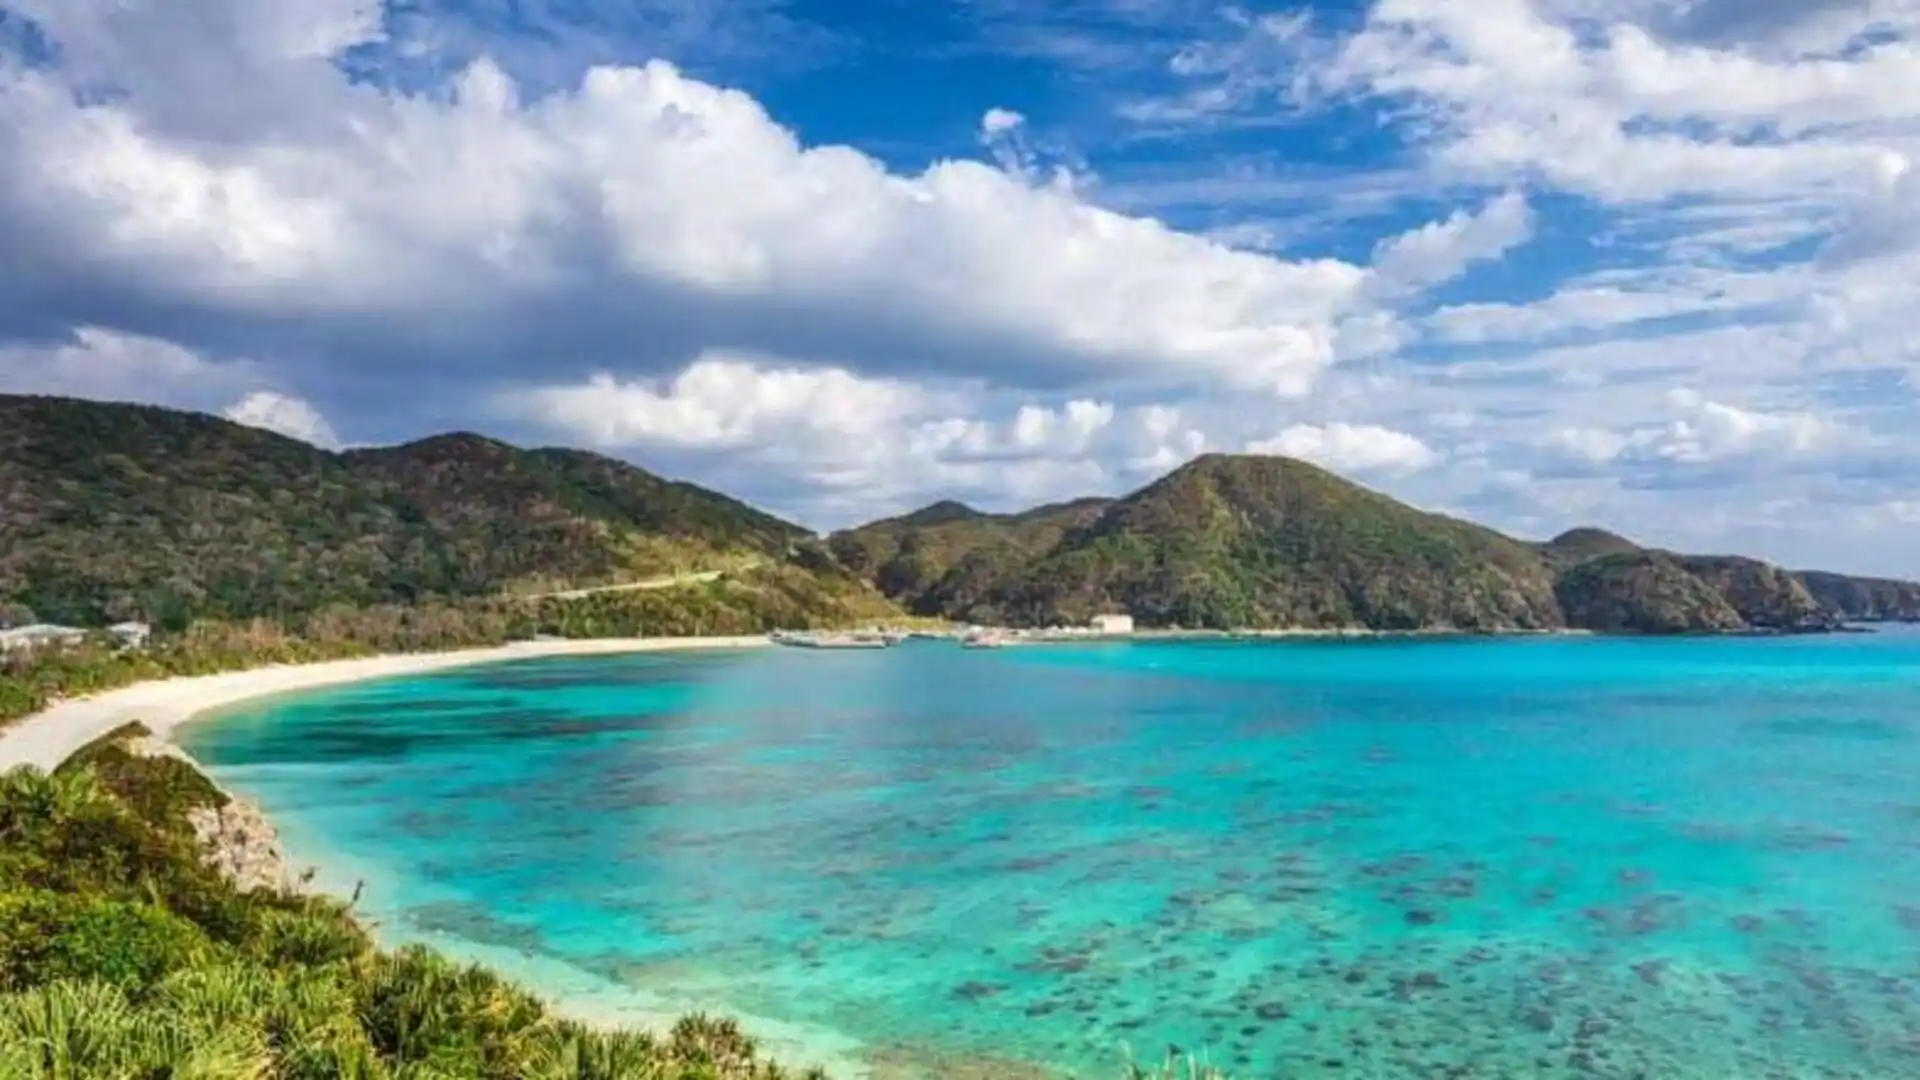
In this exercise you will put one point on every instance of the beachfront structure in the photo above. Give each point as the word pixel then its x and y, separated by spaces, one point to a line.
pixel 132 635
pixel 1113 624
pixel 39 636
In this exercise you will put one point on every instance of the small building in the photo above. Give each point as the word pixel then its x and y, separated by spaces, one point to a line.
pixel 39 636
pixel 1113 624
pixel 131 635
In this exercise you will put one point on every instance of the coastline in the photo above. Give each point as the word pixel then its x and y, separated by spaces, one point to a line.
pixel 50 736
pixel 250 848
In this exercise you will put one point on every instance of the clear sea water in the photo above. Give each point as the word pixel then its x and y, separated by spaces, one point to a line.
pixel 1397 860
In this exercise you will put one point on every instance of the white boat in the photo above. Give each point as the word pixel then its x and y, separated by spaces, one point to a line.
pixel 829 641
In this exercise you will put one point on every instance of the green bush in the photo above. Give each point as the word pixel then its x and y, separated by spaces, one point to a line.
pixel 130 945
pixel 123 956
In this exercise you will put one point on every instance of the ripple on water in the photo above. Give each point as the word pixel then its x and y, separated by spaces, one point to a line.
pixel 1532 859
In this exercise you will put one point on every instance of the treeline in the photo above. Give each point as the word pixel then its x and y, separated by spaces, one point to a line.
pixel 124 955
pixel 32 679
pixel 759 600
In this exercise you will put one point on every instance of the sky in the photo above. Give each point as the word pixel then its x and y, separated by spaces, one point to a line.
pixel 1649 264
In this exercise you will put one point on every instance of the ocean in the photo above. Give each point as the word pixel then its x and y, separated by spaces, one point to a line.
pixel 1429 859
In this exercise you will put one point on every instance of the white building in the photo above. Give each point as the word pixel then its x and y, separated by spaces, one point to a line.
pixel 1113 624
pixel 39 636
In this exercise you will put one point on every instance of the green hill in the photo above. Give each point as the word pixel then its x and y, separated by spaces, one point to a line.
pixel 125 511
pixel 1256 542
pixel 945 559
pixel 1575 546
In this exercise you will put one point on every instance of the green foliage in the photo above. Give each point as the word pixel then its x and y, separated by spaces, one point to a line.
pixel 51 936
pixel 1223 543
pixel 806 591
pixel 122 511
pixel 946 559
pixel 1260 542
pixel 755 601
pixel 123 956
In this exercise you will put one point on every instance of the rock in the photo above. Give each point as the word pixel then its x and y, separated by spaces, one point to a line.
pixel 237 838
pixel 243 845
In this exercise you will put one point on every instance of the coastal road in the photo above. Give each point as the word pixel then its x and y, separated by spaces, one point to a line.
pixel 664 581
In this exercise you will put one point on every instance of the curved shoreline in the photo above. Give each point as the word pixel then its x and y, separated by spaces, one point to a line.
pixel 50 736
pixel 163 706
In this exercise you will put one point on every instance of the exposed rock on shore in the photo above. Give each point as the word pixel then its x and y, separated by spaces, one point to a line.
pixel 238 839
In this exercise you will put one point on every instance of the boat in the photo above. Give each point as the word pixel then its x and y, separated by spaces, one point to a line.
pixel 829 641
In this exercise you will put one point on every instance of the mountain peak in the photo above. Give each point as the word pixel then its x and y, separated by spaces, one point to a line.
pixel 940 513
pixel 1581 544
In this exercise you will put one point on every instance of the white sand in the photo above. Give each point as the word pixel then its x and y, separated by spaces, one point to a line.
pixel 47 738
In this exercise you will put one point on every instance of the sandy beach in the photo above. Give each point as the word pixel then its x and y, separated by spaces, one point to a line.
pixel 47 738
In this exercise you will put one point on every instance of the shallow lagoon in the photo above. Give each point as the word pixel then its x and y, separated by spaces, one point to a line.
pixel 1384 859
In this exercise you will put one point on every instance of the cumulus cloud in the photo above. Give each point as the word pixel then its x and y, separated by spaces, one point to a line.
pixel 1344 447
pixel 721 402
pixel 1588 98
pixel 283 414
pixel 97 362
pixel 857 446
pixel 642 206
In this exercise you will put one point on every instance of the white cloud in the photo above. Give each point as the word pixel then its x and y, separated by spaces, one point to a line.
pixel 721 402
pixel 1610 110
pixel 859 446
pixel 1345 447
pixel 638 190
pixel 999 121
pixel 1440 251
pixel 101 363
pixel 283 414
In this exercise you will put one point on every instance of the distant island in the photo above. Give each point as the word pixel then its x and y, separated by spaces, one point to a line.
pixel 116 512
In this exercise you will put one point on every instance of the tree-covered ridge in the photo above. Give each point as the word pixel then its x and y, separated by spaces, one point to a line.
pixel 114 511
pixel 1264 541
pixel 1253 542
pixel 944 559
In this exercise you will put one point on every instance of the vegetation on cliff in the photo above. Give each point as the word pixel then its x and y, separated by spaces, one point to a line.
pixel 1864 599
pixel 125 955
pixel 1642 592
pixel 1227 542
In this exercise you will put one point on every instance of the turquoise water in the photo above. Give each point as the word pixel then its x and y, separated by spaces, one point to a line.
pixel 1430 860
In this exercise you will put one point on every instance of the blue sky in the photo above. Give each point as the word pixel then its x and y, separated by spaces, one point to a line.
pixel 1642 263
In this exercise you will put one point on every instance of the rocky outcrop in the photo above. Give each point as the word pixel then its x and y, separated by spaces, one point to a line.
pixel 1865 599
pixel 243 845
pixel 1767 597
pixel 1647 592
pixel 236 836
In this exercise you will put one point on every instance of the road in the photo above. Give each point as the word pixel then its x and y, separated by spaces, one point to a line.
pixel 664 581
